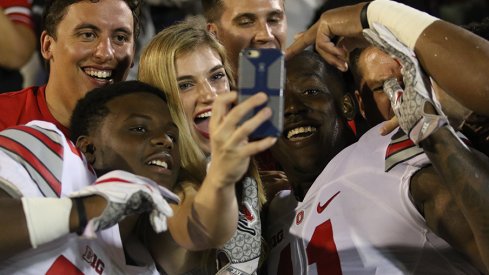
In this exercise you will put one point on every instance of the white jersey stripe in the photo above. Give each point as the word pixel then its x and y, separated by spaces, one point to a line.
pixel 44 164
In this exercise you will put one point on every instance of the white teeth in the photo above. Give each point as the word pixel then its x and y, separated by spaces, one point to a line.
pixel 205 115
pixel 301 130
pixel 99 73
pixel 158 163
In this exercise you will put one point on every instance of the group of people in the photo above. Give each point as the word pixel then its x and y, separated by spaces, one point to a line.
pixel 102 175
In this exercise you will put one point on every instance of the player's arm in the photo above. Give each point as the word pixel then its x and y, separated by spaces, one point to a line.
pixel 208 217
pixel 462 217
pixel 444 50
pixel 50 218
pixel 33 221
pixel 17 44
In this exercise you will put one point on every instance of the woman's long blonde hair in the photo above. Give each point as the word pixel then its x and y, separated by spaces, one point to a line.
pixel 157 66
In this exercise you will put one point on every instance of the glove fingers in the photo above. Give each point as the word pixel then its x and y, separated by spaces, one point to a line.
pixel 161 205
pixel 158 221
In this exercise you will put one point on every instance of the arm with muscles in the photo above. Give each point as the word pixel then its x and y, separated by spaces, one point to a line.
pixel 209 219
pixel 33 221
pixel 464 172
pixel 443 49
pixel 18 43
pixel 445 195
pixel 30 222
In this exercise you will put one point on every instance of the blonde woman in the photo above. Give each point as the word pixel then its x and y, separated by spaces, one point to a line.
pixel 191 66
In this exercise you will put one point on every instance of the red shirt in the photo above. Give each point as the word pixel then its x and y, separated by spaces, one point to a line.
pixel 17 108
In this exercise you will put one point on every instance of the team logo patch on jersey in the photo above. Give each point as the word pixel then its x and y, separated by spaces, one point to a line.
pixel 320 208
pixel 299 217
pixel 90 257
pixel 248 213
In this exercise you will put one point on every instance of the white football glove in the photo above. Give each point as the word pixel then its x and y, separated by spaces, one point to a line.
pixel 407 104
pixel 128 194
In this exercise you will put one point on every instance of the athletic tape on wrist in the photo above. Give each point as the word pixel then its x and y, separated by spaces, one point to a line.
pixel 47 218
pixel 404 22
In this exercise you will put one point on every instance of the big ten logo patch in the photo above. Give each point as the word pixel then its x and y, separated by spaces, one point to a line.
pixel 90 257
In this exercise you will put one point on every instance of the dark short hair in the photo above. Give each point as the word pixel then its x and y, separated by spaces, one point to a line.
pixel 55 10
pixel 212 9
pixel 354 58
pixel 92 109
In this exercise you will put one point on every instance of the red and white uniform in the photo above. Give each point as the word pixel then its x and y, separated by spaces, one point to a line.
pixel 23 106
pixel 41 162
pixel 18 11
pixel 358 219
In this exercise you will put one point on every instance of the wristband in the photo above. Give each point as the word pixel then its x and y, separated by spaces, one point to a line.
pixel 363 16
pixel 82 215
pixel 47 218
pixel 404 22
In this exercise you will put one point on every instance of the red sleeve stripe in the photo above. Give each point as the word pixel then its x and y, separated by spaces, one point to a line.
pixel 14 3
pixel 45 180
pixel 113 180
pixel 20 15
pixel 47 137
pixel 43 156
pixel 54 136
pixel 397 147
pixel 400 150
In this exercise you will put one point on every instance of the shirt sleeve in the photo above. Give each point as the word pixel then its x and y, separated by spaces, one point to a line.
pixel 18 11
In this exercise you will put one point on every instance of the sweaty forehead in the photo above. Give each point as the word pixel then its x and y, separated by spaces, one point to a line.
pixel 375 66
pixel 303 66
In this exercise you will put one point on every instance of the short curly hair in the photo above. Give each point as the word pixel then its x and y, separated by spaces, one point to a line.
pixel 55 10
pixel 213 9
pixel 91 110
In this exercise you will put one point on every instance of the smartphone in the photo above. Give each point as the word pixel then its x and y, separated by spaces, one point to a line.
pixel 262 70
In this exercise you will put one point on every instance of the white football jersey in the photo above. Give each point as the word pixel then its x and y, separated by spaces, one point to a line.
pixel 358 219
pixel 41 162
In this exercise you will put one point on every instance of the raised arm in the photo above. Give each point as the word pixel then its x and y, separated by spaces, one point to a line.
pixel 443 49
pixel 208 218
pixel 17 44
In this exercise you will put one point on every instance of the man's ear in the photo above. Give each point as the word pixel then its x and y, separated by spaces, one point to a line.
pixel 86 146
pixel 212 28
pixel 350 106
pixel 361 107
pixel 46 45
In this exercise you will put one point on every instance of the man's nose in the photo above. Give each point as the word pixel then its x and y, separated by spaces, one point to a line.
pixel 104 50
